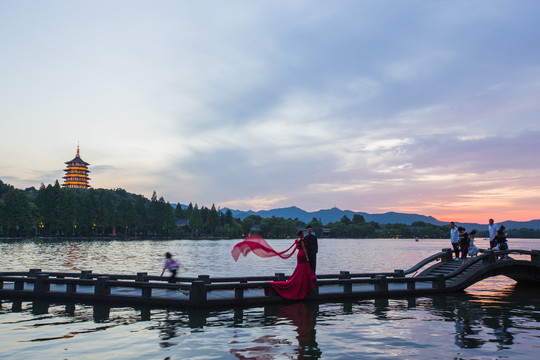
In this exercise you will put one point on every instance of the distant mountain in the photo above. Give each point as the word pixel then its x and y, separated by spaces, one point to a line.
pixel 334 214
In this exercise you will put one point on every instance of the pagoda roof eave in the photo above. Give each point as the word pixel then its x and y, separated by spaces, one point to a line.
pixel 77 160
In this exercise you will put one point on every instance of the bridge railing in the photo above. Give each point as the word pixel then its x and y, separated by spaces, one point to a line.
pixel 88 274
pixel 491 256
pixel 143 276
pixel 202 290
pixel 445 255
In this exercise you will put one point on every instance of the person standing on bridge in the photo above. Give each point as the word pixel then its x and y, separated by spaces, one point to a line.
pixel 493 229
pixel 312 248
pixel 454 239
pixel 463 243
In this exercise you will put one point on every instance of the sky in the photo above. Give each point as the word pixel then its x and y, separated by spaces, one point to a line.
pixel 426 107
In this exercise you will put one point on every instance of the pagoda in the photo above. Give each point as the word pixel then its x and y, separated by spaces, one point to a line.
pixel 76 173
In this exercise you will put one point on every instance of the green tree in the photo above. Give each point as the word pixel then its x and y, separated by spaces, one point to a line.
pixel 161 216
pixel 106 213
pixel 17 214
pixel 212 221
pixel 196 222
pixel 317 226
pixel 358 219
pixel 143 221
pixel 339 229
pixel 189 210
pixel 249 221
pixel 3 225
pixel 178 212
pixel 228 218
pixel 277 228
pixel 397 230
pixel 127 216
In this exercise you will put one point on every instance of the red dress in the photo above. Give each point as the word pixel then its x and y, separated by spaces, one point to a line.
pixel 301 281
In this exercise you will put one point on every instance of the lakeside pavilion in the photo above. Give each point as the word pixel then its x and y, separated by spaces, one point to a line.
pixel 76 173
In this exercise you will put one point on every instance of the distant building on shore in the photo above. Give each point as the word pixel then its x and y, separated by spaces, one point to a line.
pixel 76 173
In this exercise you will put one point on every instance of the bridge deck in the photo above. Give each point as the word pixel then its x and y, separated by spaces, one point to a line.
pixel 438 273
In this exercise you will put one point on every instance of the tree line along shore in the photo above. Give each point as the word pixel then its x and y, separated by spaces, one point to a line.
pixel 56 212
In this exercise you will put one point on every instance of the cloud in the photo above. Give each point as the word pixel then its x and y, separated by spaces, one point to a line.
pixel 368 106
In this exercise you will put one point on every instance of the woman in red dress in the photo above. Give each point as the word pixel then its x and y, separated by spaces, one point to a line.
pixel 301 281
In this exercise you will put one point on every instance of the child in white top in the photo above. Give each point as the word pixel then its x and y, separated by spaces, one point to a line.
pixel 473 250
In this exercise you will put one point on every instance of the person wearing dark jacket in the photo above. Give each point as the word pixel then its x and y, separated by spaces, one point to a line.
pixel 500 241
pixel 463 243
pixel 312 248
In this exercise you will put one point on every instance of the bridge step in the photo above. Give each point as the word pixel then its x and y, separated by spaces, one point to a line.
pixel 449 267
pixel 469 270
pixel 444 268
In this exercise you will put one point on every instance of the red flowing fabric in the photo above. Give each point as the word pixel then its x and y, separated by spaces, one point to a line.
pixel 301 281
pixel 259 246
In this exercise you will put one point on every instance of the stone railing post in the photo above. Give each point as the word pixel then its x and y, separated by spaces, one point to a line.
pixel 447 257
pixel 345 275
pixel 382 283
pixel 279 277
pixel 85 274
pixel 146 292
pixel 239 292
pixel 440 282
pixel 40 286
pixel 141 277
pixel 204 278
pixel 33 272
pixel 71 287
pixel 101 288
pixel 18 285
pixel 197 293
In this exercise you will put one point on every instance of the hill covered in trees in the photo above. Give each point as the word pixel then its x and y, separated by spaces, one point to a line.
pixel 54 211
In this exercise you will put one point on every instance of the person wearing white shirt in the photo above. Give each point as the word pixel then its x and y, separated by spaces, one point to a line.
pixel 492 228
pixel 454 239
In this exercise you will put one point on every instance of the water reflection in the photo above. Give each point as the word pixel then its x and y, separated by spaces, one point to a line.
pixel 273 344
pixel 502 312
pixel 304 317
pixel 72 256
pixel 480 317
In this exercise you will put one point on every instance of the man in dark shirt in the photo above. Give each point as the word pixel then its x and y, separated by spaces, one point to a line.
pixel 312 248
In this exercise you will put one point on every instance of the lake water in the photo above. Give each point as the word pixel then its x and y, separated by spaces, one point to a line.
pixel 494 319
